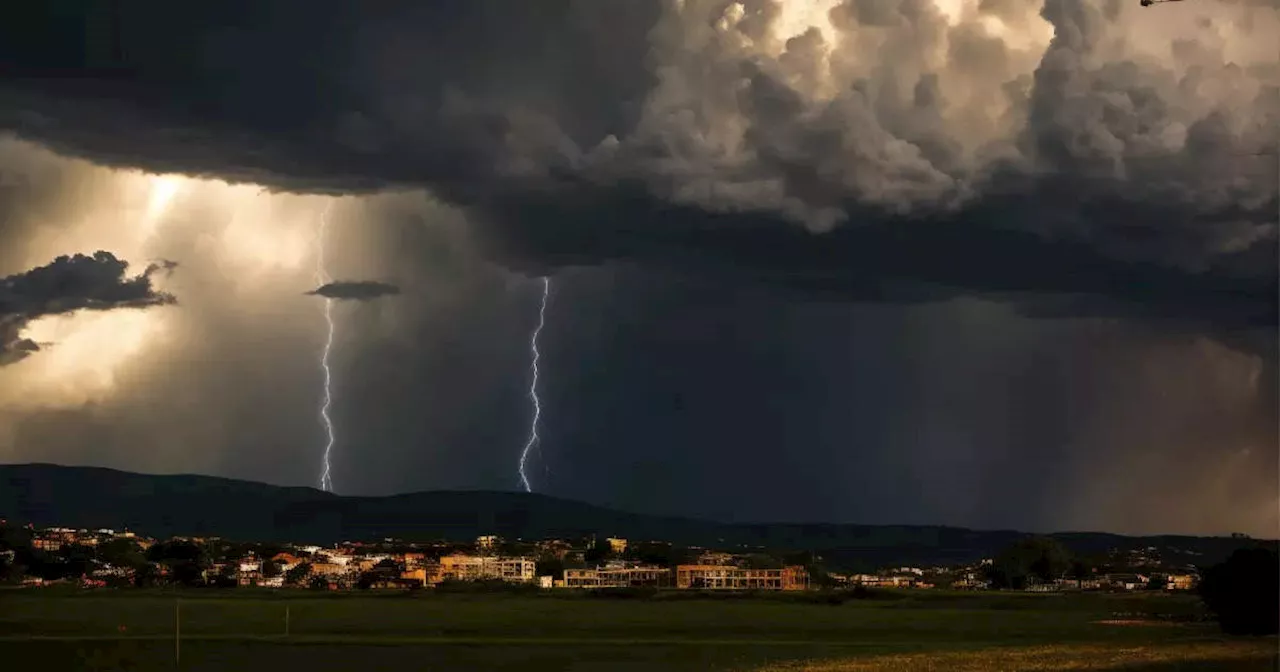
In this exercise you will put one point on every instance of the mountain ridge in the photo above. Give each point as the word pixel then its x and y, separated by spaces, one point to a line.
pixel 196 505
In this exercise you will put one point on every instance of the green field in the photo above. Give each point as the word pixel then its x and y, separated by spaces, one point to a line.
pixel 245 630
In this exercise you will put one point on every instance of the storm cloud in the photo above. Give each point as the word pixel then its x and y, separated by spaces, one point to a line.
pixel 68 284
pixel 691 131
pixel 359 290
pixel 1027 249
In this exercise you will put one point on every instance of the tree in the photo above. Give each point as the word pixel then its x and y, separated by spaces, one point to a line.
pixel 319 583
pixel 298 574
pixel 549 565
pixel 941 579
pixel 145 576
pixel 1242 591
pixel 762 561
pixel 271 569
pixel 598 552
pixel 10 570
pixel 1033 558
pixel 188 573
pixel 121 553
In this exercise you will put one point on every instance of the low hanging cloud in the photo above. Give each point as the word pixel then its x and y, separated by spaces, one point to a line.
pixel 356 290
pixel 69 284
pixel 1075 157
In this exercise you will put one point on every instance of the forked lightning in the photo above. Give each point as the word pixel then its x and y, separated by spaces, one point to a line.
pixel 533 386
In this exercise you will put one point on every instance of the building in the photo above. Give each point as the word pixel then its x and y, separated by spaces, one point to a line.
pixel 48 545
pixel 725 577
pixel 617 545
pixel 1126 581
pixel 487 543
pixel 617 577
pixel 556 548
pixel 521 570
pixel 425 575
pixel 458 567
pixel 327 569
pixel 287 561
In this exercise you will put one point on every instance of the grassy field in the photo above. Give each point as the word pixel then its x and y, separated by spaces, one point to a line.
pixel 245 630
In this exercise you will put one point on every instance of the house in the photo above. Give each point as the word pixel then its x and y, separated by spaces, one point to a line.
pixel 327 569
pixel 424 576
pixel 616 545
pixel 286 561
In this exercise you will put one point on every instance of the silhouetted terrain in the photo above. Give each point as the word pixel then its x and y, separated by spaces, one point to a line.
pixel 162 506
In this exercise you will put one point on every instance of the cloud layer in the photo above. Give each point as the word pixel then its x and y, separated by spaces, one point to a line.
pixel 1090 161
pixel 671 130
pixel 68 284
pixel 358 290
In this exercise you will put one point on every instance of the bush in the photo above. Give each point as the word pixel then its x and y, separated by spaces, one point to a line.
pixel 631 593
pixel 1242 592
pixel 486 586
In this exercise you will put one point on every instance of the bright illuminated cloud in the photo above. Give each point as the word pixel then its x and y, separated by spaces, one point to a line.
pixel 82 358
pixel 257 241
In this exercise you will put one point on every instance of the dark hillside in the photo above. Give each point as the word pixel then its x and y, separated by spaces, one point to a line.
pixel 162 506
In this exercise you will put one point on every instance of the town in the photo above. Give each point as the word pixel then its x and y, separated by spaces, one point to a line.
pixel 109 558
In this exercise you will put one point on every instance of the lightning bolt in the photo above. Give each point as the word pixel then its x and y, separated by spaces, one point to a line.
pixel 533 386
pixel 322 278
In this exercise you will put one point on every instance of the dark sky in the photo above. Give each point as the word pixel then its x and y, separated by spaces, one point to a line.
pixel 985 264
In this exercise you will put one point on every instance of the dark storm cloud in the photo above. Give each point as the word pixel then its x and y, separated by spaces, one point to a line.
pixel 581 131
pixel 68 284
pixel 361 290
pixel 1087 180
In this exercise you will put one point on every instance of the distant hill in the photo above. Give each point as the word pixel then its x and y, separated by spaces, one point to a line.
pixel 163 506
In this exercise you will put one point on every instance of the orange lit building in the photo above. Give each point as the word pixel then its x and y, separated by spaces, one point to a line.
pixel 617 577
pixel 724 577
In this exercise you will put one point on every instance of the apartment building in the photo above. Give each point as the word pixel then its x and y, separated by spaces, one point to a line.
pixel 726 577
pixel 458 567
pixel 617 577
